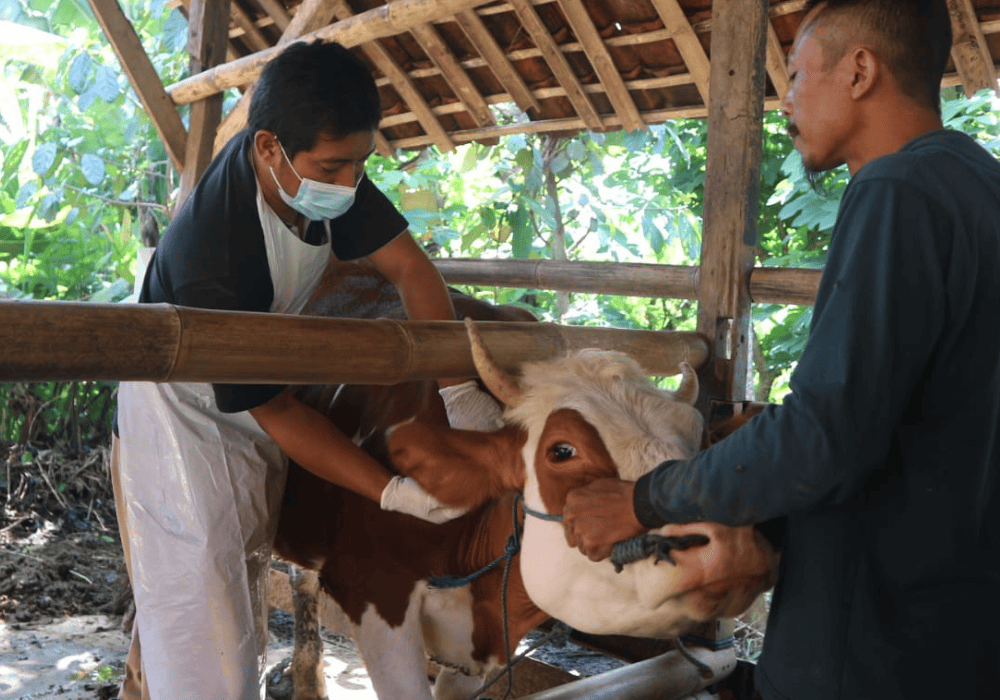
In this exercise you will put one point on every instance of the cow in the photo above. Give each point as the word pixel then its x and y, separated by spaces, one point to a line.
pixel 568 421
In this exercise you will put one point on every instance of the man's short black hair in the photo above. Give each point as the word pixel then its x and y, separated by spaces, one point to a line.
pixel 912 37
pixel 314 88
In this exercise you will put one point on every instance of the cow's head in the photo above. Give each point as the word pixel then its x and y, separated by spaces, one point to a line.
pixel 591 415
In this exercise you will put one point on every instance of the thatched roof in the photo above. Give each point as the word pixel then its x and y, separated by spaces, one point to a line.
pixel 559 65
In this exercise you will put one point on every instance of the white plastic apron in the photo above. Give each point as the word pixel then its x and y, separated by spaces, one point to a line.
pixel 203 490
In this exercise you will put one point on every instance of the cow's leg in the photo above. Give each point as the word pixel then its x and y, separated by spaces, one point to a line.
pixel 455 685
pixel 307 658
pixel 394 656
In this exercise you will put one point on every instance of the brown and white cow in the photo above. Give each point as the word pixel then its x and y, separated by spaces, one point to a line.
pixel 569 421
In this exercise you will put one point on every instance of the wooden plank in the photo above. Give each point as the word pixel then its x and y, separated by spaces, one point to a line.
pixel 453 73
pixel 143 77
pixel 607 72
pixel 557 62
pixel 494 57
pixel 777 62
pixel 688 44
pixel 969 50
pixel 732 177
pixel 208 28
pixel 311 15
pixel 385 20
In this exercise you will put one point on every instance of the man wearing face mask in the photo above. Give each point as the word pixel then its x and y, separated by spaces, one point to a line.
pixel 199 469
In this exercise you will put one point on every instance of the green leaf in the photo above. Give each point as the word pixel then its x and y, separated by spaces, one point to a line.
pixel 106 84
pixel 652 233
pixel 44 158
pixel 12 159
pixel 93 168
pixel 79 72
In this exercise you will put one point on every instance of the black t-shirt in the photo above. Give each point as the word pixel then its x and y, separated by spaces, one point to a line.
pixel 212 256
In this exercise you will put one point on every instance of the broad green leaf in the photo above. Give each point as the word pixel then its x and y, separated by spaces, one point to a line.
pixel 44 158
pixel 79 72
pixel 106 83
pixel 93 168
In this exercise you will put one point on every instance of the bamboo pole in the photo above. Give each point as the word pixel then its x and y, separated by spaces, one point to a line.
pixel 768 285
pixel 63 341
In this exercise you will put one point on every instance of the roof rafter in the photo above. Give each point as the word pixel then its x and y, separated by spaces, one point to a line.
pixel 453 73
pixel 494 57
pixel 557 62
pixel 687 43
pixel 607 72
pixel 777 62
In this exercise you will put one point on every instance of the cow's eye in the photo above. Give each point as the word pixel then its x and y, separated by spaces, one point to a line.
pixel 562 451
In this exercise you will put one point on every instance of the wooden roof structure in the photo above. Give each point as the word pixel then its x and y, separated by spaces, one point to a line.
pixel 445 66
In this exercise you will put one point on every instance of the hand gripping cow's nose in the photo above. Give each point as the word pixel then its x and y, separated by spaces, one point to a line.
pixel 599 515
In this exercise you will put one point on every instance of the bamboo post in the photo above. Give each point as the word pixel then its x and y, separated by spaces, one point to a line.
pixel 64 341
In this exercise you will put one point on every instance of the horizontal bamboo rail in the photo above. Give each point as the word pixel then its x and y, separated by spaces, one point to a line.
pixel 64 341
pixel 768 285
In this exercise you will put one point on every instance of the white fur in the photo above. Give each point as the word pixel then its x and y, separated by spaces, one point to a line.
pixel 641 426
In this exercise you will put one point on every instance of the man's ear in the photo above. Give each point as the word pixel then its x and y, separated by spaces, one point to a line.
pixel 866 70
pixel 266 146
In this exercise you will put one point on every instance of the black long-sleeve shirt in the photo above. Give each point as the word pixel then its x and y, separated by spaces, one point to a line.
pixel 885 456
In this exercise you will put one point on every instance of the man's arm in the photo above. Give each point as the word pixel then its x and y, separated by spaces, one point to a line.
pixel 307 437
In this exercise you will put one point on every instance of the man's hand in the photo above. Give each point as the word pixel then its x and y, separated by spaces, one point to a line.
pixel 599 515
pixel 405 495
pixel 470 408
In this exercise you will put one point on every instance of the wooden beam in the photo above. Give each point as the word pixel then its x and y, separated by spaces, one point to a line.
pixel 777 62
pixel 732 180
pixel 969 50
pixel 43 341
pixel 688 44
pixel 277 12
pixel 557 62
pixel 251 34
pixel 208 28
pixel 143 77
pixel 311 15
pixel 402 84
pixel 494 57
pixel 607 72
pixel 386 20
pixel 453 73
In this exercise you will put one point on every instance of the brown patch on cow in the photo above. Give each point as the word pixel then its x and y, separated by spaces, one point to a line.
pixel 570 454
pixel 462 468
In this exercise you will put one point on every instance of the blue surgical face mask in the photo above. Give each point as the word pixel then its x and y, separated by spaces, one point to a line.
pixel 316 200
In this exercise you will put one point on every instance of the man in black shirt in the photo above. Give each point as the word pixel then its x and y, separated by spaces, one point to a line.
pixel 202 467
pixel 885 456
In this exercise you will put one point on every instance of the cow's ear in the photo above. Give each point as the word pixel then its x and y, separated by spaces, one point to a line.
pixel 462 468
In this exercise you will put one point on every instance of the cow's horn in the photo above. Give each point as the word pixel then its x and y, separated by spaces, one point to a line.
pixel 504 385
pixel 688 390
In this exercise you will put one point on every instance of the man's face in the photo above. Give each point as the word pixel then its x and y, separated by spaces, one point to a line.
pixel 817 105
pixel 334 161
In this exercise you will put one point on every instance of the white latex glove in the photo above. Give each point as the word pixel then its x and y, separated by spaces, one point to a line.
pixel 405 495
pixel 471 408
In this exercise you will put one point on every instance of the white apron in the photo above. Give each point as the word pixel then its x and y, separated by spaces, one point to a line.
pixel 203 490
